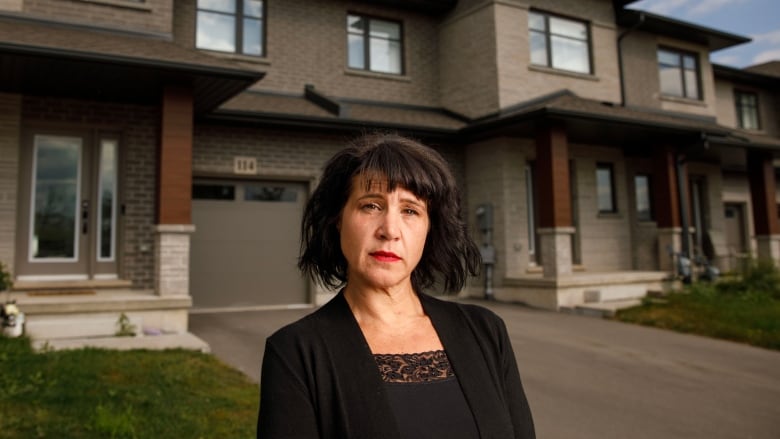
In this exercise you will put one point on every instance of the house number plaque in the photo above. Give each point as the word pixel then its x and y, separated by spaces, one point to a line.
pixel 245 165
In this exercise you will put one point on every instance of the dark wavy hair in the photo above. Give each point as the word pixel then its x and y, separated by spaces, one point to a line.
pixel 449 255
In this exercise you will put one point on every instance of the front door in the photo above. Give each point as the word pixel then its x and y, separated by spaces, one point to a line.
pixel 68 210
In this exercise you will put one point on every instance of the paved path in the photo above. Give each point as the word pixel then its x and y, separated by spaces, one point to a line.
pixel 591 378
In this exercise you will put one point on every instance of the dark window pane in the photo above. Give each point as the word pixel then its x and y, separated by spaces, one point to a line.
pixel 214 192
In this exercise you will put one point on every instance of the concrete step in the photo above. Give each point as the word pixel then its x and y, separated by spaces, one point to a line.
pixel 602 309
pixel 185 340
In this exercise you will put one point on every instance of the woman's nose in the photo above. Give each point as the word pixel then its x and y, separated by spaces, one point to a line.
pixel 389 227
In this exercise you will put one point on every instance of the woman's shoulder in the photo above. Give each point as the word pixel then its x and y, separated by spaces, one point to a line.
pixel 311 324
pixel 475 313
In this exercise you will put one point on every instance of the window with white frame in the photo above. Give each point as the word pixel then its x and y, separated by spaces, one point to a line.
pixel 747 110
pixel 605 188
pixel 374 44
pixel 235 26
pixel 559 43
pixel 679 73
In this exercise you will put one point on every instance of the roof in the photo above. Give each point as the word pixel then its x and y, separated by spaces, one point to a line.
pixel 31 49
pixel 771 68
pixel 606 123
pixel 301 109
pixel 759 75
pixel 712 38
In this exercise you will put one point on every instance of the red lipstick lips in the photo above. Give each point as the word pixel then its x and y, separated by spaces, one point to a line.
pixel 384 256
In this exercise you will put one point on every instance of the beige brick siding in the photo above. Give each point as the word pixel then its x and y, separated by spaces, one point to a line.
pixel 10 115
pixel 11 5
pixel 495 173
pixel 138 126
pixel 307 44
pixel 467 62
pixel 605 239
pixel 642 85
pixel 149 16
pixel 519 81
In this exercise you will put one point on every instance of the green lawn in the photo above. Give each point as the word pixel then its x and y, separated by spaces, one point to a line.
pixel 92 393
pixel 744 309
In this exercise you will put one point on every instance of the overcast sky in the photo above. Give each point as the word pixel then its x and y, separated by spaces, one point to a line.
pixel 756 19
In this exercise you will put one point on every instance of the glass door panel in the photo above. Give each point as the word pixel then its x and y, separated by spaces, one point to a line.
pixel 107 192
pixel 56 189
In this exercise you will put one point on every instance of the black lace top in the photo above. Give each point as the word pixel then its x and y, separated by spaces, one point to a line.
pixel 425 396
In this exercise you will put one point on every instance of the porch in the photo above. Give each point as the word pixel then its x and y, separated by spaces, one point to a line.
pixel 583 292
pixel 74 314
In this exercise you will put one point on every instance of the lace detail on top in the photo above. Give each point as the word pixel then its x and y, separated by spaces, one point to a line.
pixel 414 368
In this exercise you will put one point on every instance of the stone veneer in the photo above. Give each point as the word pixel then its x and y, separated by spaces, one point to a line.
pixel 172 259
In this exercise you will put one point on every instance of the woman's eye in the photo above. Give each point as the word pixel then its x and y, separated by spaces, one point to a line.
pixel 410 212
pixel 370 206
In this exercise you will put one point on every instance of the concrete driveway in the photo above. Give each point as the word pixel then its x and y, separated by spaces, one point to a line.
pixel 591 378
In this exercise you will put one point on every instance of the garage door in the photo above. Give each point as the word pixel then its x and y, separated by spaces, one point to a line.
pixel 245 246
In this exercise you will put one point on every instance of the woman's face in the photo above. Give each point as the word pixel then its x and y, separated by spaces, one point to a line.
pixel 382 235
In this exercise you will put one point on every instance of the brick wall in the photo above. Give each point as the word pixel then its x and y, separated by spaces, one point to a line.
pixel 11 5
pixel 467 62
pixel 10 114
pixel 642 85
pixel 520 81
pixel 138 126
pixel 149 15
pixel 495 173
pixel 605 238
pixel 306 43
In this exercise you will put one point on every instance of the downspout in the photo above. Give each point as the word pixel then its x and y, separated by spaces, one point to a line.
pixel 620 56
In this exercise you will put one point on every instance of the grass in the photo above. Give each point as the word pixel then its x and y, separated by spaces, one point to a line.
pixel 745 309
pixel 93 393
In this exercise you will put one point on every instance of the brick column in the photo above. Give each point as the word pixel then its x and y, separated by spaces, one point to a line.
pixel 10 123
pixel 174 193
pixel 666 203
pixel 761 175
pixel 555 216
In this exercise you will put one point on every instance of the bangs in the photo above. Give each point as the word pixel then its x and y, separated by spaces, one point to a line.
pixel 394 167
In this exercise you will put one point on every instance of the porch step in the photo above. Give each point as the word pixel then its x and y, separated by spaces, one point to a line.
pixel 602 309
pixel 185 340
pixel 61 317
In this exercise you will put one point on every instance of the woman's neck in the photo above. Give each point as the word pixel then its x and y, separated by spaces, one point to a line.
pixel 383 305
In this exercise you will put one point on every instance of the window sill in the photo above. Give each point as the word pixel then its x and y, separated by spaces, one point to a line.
pixel 376 75
pixel 238 57
pixel 542 69
pixel 679 100
pixel 138 6
pixel 609 215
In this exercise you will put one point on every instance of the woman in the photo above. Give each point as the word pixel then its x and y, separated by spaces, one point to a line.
pixel 382 359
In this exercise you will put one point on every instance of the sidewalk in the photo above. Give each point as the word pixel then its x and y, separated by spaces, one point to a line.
pixel 591 378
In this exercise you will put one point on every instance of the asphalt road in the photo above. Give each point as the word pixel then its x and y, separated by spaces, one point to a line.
pixel 591 378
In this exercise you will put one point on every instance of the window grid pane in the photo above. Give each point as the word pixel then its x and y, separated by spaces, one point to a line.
pixel 559 43
pixel 230 26
pixel 374 45
pixel 605 189
pixel 678 74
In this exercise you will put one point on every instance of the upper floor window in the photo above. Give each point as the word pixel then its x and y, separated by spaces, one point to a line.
pixel 559 43
pixel 679 73
pixel 747 110
pixel 374 44
pixel 605 188
pixel 234 26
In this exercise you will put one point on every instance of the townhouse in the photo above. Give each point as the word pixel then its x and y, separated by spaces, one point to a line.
pixel 155 155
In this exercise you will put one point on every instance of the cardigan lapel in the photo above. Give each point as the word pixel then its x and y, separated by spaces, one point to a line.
pixel 471 366
pixel 355 373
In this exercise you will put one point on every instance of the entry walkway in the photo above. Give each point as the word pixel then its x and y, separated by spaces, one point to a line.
pixel 591 378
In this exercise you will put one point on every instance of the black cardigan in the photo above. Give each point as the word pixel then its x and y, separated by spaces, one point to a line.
pixel 320 380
